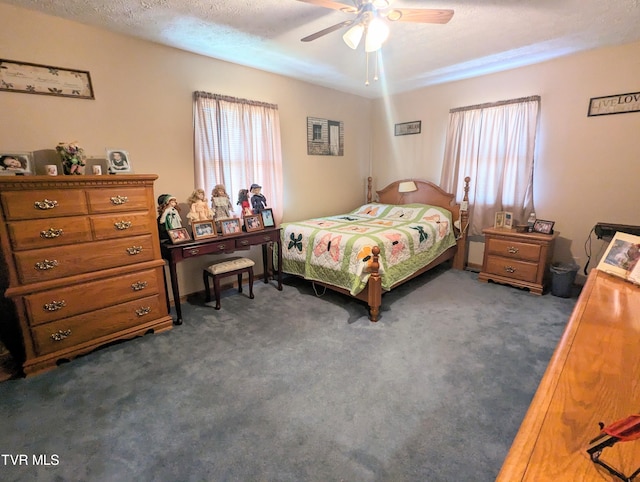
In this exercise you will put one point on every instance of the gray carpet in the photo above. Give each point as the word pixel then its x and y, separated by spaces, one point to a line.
pixel 294 387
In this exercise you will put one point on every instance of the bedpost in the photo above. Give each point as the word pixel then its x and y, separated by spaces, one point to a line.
pixel 460 258
pixel 369 189
pixel 374 294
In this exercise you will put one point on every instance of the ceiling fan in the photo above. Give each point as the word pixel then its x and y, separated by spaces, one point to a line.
pixel 369 22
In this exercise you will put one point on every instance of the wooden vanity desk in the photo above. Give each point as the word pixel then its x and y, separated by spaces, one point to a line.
pixel 593 376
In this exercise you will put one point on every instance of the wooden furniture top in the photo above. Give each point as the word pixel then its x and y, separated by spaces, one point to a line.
pixel 520 236
pixel 593 377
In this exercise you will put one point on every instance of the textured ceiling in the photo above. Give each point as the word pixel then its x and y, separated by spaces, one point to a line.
pixel 484 35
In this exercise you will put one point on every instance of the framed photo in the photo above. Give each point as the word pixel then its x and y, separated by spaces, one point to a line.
pixel 118 161
pixel 622 255
pixel 230 226
pixel 253 223
pixel 544 227
pixel 499 220
pixel 325 137
pixel 16 164
pixel 508 220
pixel 179 235
pixel 408 128
pixel 267 218
pixel 43 79
pixel 203 229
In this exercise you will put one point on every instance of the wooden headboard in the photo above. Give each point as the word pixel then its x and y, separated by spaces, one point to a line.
pixel 430 193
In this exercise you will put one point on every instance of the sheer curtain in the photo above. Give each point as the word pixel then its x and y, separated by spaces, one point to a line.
pixel 237 143
pixel 494 144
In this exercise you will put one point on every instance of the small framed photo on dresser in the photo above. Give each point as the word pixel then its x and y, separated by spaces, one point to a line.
pixel 267 218
pixel 15 163
pixel 203 230
pixel 544 227
pixel 253 223
pixel 230 226
pixel 118 161
pixel 179 235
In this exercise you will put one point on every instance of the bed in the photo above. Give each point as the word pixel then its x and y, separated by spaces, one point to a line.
pixel 379 245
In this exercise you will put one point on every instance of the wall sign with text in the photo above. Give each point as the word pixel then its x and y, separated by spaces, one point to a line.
pixel 408 128
pixel 614 104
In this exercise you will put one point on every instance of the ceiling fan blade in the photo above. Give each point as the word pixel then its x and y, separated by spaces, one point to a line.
pixel 327 30
pixel 419 15
pixel 332 5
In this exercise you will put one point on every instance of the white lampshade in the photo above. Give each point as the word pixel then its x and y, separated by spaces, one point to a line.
pixel 407 186
pixel 377 33
pixel 353 36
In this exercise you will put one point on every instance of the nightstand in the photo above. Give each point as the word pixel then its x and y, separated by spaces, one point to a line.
pixel 517 259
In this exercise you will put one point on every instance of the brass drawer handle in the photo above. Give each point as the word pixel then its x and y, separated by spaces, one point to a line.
pixel 139 285
pixel 54 305
pixel 133 250
pixel 51 233
pixel 117 200
pixel 60 335
pixel 143 311
pixel 222 247
pixel 45 204
pixel 122 225
pixel 509 269
pixel 46 264
pixel 512 250
pixel 266 238
pixel 193 252
pixel 244 242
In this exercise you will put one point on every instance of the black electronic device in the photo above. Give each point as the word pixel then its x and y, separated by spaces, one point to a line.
pixel 607 231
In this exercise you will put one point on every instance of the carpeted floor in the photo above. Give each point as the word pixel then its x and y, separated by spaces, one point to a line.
pixel 294 387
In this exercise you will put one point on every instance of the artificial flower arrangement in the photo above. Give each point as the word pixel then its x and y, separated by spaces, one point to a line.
pixel 73 158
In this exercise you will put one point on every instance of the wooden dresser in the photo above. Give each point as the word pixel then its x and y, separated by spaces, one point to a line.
pixel 81 264
pixel 593 377
pixel 518 259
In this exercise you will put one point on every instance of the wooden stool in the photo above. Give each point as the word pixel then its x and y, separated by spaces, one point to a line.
pixel 227 267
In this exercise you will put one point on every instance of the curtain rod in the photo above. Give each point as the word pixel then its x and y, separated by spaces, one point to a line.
pixel 496 104
pixel 206 95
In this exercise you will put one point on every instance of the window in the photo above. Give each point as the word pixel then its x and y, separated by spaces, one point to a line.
pixel 494 144
pixel 236 144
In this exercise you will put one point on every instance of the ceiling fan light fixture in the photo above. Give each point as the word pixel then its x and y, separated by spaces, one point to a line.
pixel 377 33
pixel 353 36
pixel 394 15
pixel 381 3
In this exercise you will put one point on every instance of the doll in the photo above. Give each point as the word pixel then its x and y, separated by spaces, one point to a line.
pixel 168 214
pixel 243 202
pixel 221 203
pixel 199 211
pixel 258 201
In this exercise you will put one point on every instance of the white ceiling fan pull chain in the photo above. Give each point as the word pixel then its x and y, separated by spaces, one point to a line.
pixel 367 82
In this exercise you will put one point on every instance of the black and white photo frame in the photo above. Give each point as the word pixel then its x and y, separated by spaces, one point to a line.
pixel 118 161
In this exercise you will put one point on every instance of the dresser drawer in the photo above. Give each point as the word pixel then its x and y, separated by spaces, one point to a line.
pixel 514 249
pixel 120 225
pixel 511 268
pixel 117 199
pixel 51 263
pixel 222 246
pixel 65 302
pixel 258 238
pixel 49 203
pixel 43 233
pixel 69 332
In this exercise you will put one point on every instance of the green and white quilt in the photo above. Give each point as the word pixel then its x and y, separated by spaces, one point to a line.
pixel 337 249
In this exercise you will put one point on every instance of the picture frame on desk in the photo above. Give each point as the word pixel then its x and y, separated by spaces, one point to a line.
pixel 230 226
pixel 253 223
pixel 622 257
pixel 203 229
pixel 267 218
pixel 543 226
pixel 178 235
pixel 14 163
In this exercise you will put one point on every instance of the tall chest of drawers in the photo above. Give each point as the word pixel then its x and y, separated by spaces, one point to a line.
pixel 518 259
pixel 81 264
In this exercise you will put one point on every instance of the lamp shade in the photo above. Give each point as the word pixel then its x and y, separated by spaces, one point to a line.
pixel 407 186
pixel 353 36
pixel 377 33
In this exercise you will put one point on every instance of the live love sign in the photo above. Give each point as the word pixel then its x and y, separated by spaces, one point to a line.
pixel 614 104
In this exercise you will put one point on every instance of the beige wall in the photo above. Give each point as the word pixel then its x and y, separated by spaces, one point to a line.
pixel 586 167
pixel 143 105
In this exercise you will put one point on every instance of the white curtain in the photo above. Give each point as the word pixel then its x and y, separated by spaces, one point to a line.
pixel 237 143
pixel 493 144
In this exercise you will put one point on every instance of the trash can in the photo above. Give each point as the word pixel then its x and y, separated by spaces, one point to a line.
pixel 562 277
